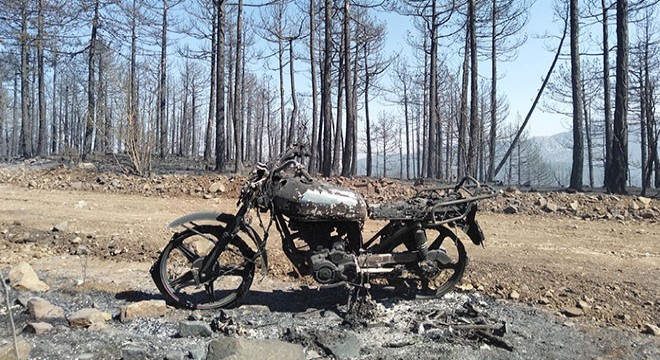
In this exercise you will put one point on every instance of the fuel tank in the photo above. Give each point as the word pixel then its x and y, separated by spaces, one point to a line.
pixel 305 200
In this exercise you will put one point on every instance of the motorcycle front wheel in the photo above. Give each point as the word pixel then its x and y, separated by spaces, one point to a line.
pixel 176 270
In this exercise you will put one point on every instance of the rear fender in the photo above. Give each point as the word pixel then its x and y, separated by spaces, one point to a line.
pixel 471 227
pixel 226 219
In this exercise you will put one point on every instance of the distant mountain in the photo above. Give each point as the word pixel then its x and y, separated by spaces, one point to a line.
pixel 557 150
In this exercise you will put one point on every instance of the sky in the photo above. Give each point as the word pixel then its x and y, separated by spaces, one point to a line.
pixel 518 79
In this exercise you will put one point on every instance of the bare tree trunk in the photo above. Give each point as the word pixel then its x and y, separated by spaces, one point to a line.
pixel 587 133
pixel 293 123
pixel 347 156
pixel 433 93
pixel 474 94
pixel 406 118
pixel 336 161
pixel 606 88
pixel 280 59
pixel 238 103
pixel 208 143
pixel 463 124
pixel 492 139
pixel 576 83
pixel 42 144
pixel 617 173
pixel 220 89
pixel 642 128
pixel 366 114
pixel 325 92
pixel 25 147
pixel 313 160
pixel 91 106
pixel 162 85
pixel 54 129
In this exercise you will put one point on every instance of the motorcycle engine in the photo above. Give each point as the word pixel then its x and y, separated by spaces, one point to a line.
pixel 333 265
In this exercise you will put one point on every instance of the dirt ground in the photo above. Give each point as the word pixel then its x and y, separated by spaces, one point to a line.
pixel 610 268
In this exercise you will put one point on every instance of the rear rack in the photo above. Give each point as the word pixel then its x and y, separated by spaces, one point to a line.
pixel 438 205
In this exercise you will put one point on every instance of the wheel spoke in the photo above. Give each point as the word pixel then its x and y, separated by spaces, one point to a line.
pixel 182 281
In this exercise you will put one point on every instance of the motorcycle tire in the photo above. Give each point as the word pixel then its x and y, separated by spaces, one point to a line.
pixel 228 282
pixel 451 275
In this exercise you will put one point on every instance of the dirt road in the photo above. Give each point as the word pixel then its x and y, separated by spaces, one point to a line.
pixel 608 269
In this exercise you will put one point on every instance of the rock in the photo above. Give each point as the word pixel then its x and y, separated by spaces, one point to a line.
pixel 197 353
pixel 510 210
pixel 544 301
pixel 645 201
pixel 514 295
pixel 23 278
pixel 572 312
pixel 135 352
pixel 346 346
pixel 41 310
pixel 624 317
pixel 235 348
pixel 550 207
pixel 583 305
pixel 574 205
pixel 175 355
pixel 39 328
pixel 207 196
pixel 542 202
pixel 647 215
pixel 217 187
pixel 651 330
pixel 86 166
pixel 82 250
pixel 81 204
pixel 143 309
pixel 86 318
pixel 195 329
pixel 61 226
pixel 7 351
pixel 633 206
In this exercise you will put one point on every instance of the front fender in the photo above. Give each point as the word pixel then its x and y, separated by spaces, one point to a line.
pixel 205 215
pixel 226 219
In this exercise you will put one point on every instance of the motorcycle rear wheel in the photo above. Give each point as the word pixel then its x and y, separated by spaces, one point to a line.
pixel 230 278
pixel 448 276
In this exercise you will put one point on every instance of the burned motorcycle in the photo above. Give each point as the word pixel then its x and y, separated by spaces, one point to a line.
pixel 212 262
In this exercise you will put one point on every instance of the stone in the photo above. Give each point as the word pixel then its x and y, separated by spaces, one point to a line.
pixel 345 346
pixel 236 348
pixel 644 200
pixel 510 210
pixel 574 205
pixel 7 351
pixel 39 328
pixel 23 278
pixel 143 309
pixel 197 353
pixel 651 330
pixel 194 329
pixel 544 301
pixel 63 226
pixel 542 202
pixel 550 207
pixel 135 352
pixel 85 318
pixel 514 295
pixel 572 312
pixel 217 187
pixel 175 355
pixel 633 206
pixel 583 305
pixel 86 166
pixel 41 310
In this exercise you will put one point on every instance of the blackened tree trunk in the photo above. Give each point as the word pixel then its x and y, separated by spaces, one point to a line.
pixel 91 86
pixel 313 159
pixel 25 142
pixel 208 150
pixel 463 122
pixel 238 104
pixel 492 139
pixel 162 85
pixel 617 172
pixel 433 94
pixel 220 89
pixel 347 156
pixel 576 87
pixel 42 143
pixel 326 100
pixel 607 102
pixel 472 159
